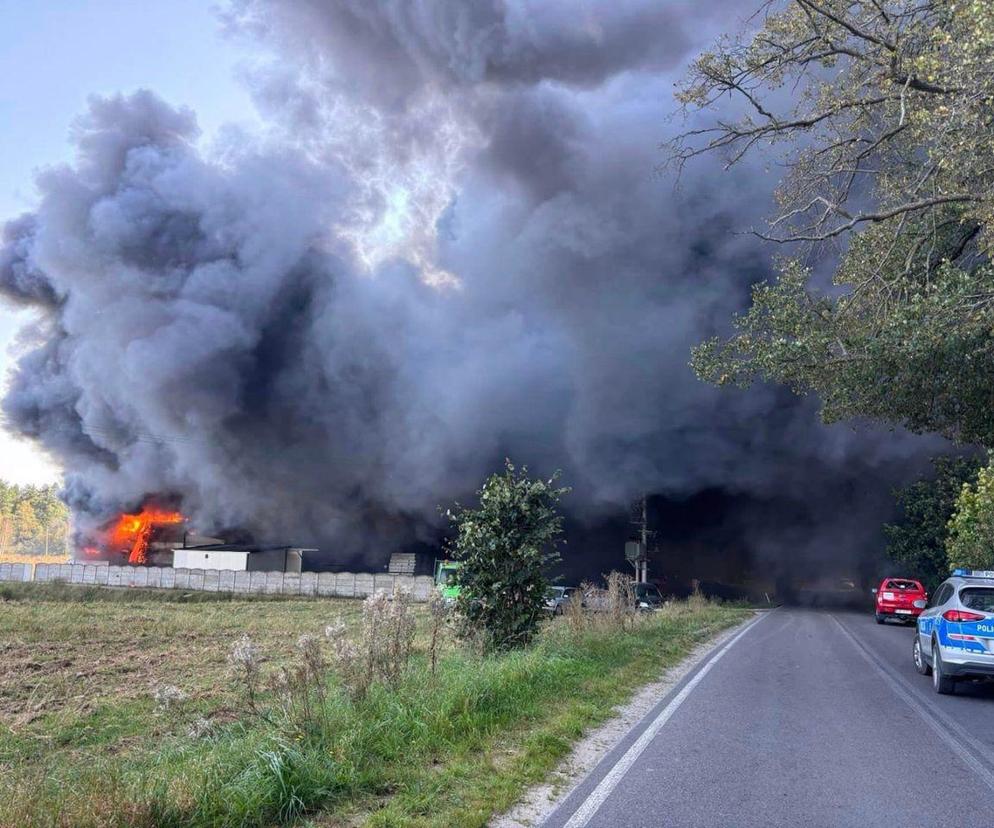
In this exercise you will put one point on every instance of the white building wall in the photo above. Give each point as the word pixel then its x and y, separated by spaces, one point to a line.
pixel 216 559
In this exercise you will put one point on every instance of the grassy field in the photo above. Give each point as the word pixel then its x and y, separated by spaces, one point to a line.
pixel 83 742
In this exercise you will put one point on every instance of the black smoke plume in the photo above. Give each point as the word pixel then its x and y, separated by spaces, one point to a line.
pixel 449 246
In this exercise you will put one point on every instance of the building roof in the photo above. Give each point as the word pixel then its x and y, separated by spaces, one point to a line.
pixel 237 547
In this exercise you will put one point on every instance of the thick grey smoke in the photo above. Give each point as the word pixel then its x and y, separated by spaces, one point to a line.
pixel 449 247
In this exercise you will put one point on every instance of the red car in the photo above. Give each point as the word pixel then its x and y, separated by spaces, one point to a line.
pixel 900 598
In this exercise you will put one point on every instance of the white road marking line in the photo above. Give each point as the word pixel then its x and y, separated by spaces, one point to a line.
pixel 965 737
pixel 593 802
pixel 927 714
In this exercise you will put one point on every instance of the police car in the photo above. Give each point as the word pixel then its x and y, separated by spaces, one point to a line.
pixel 955 638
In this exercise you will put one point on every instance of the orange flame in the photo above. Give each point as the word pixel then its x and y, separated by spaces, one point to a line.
pixel 134 530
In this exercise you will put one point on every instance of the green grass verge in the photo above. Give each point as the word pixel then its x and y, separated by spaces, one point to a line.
pixel 448 750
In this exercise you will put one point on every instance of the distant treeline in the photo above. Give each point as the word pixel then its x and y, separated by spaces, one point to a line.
pixel 33 521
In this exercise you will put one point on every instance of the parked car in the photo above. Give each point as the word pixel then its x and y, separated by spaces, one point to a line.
pixel 647 597
pixel 558 597
pixel 899 598
pixel 955 638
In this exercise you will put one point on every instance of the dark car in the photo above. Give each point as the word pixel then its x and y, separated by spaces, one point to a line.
pixel 647 597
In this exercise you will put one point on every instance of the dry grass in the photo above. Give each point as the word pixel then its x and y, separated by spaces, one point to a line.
pixel 83 742
pixel 67 658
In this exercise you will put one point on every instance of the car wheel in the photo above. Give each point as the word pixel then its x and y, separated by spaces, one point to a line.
pixel 880 618
pixel 921 665
pixel 941 683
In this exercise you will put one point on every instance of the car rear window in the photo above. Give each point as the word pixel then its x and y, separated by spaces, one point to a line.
pixel 905 585
pixel 977 598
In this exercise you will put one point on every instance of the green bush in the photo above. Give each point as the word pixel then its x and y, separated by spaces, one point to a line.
pixel 506 547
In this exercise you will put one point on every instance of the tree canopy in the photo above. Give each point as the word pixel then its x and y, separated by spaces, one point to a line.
pixel 33 521
pixel 970 543
pixel 882 113
pixel 916 541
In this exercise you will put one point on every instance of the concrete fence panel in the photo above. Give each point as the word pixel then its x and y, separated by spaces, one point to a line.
pixel 138 576
pixel 212 580
pixel 363 585
pixel 385 582
pixel 345 585
pixel 15 572
pixel 328 584
pixel 422 586
pixel 308 583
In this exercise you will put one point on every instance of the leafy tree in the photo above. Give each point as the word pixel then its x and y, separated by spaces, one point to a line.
pixel 883 111
pixel 32 520
pixel 26 525
pixel 506 547
pixel 971 530
pixel 8 499
pixel 917 541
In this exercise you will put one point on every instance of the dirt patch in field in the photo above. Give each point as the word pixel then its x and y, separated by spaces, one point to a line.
pixel 57 657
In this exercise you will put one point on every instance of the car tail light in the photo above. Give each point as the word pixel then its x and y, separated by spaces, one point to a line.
pixel 919 603
pixel 962 615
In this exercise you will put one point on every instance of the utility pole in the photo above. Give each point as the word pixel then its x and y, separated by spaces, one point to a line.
pixel 637 552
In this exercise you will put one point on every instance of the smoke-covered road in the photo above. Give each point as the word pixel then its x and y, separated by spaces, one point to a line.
pixel 809 718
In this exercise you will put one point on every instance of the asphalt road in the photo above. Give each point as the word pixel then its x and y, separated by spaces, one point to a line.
pixel 809 718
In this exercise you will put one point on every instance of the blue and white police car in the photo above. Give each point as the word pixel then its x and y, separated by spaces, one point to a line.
pixel 955 638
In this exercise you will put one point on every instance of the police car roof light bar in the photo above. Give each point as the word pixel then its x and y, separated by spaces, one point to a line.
pixel 971 573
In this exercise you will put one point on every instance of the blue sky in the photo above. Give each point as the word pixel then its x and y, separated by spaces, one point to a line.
pixel 53 55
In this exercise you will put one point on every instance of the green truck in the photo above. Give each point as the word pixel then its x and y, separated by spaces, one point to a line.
pixel 445 578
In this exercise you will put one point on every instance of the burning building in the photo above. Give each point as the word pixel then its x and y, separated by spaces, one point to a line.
pixel 136 538
pixel 154 536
